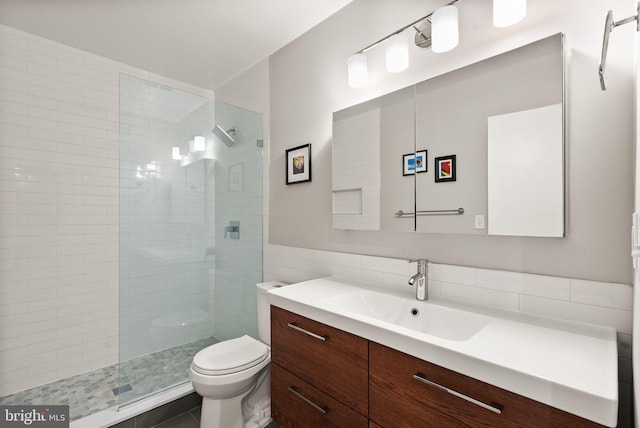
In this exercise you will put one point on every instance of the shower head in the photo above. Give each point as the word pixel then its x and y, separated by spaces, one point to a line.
pixel 225 136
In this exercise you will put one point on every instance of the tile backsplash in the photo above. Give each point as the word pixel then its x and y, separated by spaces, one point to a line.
pixel 599 303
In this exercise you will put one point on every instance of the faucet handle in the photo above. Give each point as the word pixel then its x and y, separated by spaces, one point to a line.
pixel 422 264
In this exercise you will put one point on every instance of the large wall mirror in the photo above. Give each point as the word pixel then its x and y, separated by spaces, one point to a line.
pixel 479 150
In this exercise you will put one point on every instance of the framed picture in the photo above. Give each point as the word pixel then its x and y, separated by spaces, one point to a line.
pixel 298 164
pixel 414 163
pixel 235 178
pixel 445 168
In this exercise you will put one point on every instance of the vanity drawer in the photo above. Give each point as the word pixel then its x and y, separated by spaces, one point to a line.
pixel 406 391
pixel 295 403
pixel 334 361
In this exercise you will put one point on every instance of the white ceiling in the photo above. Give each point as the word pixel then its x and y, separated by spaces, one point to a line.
pixel 202 42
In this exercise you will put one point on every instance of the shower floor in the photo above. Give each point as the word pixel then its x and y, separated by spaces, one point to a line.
pixel 90 392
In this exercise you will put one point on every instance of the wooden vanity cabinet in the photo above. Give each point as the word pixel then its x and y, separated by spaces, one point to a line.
pixel 409 392
pixel 325 377
pixel 295 403
pixel 321 360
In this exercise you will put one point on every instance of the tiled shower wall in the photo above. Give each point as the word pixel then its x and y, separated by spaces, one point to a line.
pixel 58 209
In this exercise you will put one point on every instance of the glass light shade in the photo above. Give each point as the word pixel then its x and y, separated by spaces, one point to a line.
pixel 397 53
pixel 357 68
pixel 199 143
pixel 508 12
pixel 444 29
pixel 175 153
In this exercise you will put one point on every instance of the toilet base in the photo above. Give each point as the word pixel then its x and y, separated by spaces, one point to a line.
pixel 228 412
pixel 225 413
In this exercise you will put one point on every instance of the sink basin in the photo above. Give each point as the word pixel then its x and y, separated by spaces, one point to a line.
pixel 418 316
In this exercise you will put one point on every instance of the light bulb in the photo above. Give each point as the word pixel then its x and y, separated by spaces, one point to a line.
pixel 397 53
pixel 508 12
pixel 444 29
pixel 357 69
pixel 199 143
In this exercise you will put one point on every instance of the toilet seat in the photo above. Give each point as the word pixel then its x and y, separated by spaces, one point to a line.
pixel 230 356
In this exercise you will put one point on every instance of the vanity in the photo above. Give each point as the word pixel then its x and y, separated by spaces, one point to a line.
pixel 346 354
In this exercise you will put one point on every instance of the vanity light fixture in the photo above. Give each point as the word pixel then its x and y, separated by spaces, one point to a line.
pixel 444 29
pixel 438 30
pixel 508 12
pixel 397 49
pixel 397 52
pixel 358 73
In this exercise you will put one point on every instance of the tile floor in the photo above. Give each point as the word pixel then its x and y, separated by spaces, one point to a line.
pixel 91 392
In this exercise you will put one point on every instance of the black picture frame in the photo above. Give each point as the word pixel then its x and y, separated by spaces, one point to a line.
pixel 445 168
pixel 414 163
pixel 298 164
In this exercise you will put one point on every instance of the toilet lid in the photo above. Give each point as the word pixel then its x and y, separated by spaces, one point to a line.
pixel 230 356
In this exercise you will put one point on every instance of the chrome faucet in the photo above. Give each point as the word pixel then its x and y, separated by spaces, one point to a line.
pixel 420 280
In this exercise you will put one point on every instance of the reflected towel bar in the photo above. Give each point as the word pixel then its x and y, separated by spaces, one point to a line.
pixel 401 213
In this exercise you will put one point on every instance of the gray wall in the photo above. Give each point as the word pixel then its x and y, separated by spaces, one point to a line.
pixel 308 82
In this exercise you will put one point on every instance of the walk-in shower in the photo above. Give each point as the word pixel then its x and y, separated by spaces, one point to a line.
pixel 185 279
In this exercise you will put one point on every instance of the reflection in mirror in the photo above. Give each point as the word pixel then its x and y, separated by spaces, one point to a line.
pixel 369 141
pixel 452 123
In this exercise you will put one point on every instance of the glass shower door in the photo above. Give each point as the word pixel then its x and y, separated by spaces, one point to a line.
pixel 181 184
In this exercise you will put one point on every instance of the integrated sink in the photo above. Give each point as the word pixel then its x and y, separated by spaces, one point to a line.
pixel 419 316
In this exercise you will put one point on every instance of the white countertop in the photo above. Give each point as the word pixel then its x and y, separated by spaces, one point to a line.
pixel 567 365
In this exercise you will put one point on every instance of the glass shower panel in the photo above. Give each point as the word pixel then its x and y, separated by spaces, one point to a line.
pixel 170 233
pixel 238 189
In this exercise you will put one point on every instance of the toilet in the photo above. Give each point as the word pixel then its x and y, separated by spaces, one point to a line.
pixel 233 376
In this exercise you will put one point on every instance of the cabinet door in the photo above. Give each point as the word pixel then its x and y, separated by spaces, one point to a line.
pixel 331 360
pixel 296 404
pixel 408 392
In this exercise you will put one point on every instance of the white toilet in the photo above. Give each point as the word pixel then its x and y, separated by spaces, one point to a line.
pixel 234 375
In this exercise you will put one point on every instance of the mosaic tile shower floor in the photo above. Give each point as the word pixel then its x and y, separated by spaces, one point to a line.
pixel 90 392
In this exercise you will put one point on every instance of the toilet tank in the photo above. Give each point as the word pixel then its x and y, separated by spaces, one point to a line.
pixel 264 310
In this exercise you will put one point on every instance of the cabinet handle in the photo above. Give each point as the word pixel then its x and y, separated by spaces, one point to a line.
pixel 317 336
pixel 494 407
pixel 323 409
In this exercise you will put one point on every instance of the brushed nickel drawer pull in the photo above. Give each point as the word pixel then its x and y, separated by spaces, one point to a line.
pixel 323 409
pixel 317 336
pixel 494 407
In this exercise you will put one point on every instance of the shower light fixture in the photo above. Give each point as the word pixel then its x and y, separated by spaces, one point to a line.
pixel 438 30
pixel 199 143
pixel 508 12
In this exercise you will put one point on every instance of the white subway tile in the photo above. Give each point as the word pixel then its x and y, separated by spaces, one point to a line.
pixel 598 315
pixel 617 296
pixel 479 296
pixel 384 264
pixel 526 284
pixel 452 274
